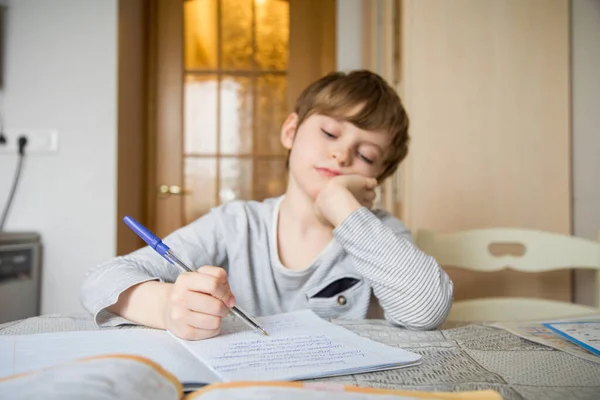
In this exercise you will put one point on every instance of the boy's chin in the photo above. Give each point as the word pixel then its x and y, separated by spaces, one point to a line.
pixel 311 185
pixel 313 189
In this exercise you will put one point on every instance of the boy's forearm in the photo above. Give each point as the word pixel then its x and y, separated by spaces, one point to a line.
pixel 144 303
pixel 412 288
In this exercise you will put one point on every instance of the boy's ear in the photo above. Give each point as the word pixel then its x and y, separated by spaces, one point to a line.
pixel 288 130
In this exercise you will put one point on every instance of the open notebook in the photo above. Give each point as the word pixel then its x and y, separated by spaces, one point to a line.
pixel 300 345
pixel 132 378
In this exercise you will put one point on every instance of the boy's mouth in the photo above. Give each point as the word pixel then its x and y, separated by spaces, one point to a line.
pixel 328 172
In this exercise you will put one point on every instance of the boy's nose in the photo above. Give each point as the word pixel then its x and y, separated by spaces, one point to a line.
pixel 341 156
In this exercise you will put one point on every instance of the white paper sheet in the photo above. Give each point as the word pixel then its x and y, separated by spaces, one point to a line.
pixel 300 345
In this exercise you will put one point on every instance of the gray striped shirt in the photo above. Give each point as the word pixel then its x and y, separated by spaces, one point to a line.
pixel 371 252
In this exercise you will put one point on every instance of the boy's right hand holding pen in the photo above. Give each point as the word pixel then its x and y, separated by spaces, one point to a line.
pixel 192 306
pixel 196 302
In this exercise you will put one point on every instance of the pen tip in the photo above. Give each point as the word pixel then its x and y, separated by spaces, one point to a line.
pixel 264 332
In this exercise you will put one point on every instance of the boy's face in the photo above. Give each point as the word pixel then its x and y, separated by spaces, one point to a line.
pixel 323 147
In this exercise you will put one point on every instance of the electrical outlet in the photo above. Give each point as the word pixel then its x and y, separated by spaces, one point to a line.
pixel 38 141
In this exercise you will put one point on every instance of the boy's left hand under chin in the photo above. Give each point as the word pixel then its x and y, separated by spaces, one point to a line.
pixel 343 195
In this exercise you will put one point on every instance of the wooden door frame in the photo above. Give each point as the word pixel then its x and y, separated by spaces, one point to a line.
pixel 165 114
pixel 147 102
pixel 131 120
pixel 144 105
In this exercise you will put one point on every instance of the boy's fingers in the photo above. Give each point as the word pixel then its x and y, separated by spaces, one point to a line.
pixel 228 298
pixel 359 181
pixel 208 284
pixel 203 321
pixel 205 304
pixel 372 183
pixel 222 290
pixel 189 332
pixel 217 272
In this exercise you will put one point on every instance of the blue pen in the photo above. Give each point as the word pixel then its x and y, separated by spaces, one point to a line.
pixel 153 241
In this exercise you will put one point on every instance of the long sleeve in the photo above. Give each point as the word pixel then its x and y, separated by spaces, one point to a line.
pixel 198 244
pixel 411 287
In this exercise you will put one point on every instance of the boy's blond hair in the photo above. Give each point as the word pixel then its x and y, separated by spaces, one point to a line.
pixel 364 99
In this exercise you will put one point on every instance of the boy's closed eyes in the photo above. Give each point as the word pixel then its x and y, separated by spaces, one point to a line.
pixel 361 153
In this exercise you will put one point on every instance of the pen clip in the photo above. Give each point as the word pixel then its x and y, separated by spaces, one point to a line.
pixel 151 239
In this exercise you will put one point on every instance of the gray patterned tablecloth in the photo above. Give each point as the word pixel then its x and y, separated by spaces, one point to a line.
pixel 467 357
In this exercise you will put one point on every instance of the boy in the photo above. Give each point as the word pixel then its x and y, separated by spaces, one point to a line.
pixel 319 246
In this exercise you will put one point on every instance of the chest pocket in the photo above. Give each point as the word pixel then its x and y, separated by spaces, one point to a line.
pixel 336 287
pixel 341 296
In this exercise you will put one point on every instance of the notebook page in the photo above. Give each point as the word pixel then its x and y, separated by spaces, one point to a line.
pixel 23 353
pixel 300 345
pixel 6 357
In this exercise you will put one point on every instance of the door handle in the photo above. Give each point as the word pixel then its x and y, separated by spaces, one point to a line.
pixel 168 190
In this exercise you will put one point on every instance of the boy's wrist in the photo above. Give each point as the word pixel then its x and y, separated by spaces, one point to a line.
pixel 341 203
pixel 145 303
pixel 342 196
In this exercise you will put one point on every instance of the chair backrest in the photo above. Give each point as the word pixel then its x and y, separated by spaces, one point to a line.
pixel 538 251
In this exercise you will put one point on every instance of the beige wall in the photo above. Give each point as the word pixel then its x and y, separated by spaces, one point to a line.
pixel 487 86
pixel 60 73
pixel 586 131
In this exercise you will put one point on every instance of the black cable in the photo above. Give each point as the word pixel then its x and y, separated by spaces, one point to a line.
pixel 22 145
pixel 2 135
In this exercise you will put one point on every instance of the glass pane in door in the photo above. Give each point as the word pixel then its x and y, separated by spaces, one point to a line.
pixel 236 115
pixel 200 34
pixel 200 182
pixel 236 32
pixel 235 179
pixel 272 34
pixel 271 111
pixel 270 177
pixel 200 108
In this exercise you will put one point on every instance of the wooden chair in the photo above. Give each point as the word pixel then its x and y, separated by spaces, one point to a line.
pixel 543 251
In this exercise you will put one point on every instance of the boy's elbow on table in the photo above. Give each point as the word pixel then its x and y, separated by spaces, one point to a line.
pixel 430 316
